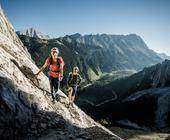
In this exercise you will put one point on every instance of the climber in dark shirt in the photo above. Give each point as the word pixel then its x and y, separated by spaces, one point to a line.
pixel 73 81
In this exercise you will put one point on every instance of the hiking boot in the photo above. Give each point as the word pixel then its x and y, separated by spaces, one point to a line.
pixel 72 105
pixel 53 100
pixel 67 106
pixel 57 97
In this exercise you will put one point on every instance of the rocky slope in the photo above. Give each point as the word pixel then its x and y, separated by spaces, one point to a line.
pixel 31 32
pixel 131 134
pixel 25 105
pixel 96 55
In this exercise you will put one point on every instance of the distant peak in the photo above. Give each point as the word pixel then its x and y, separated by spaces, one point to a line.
pixel 164 56
pixel 133 34
pixel 76 35
pixel 32 32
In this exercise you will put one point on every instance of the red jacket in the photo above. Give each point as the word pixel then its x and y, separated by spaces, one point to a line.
pixel 55 66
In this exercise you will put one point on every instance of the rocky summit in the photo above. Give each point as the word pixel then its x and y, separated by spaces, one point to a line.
pixel 31 32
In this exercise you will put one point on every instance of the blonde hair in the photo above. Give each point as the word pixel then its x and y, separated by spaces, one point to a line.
pixel 74 68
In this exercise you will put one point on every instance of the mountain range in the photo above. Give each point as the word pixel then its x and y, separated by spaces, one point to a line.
pixel 95 55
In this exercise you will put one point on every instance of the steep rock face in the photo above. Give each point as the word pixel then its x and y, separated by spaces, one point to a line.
pixel 8 33
pixel 25 105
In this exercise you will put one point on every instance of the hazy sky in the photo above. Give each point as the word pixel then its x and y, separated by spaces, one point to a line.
pixel 148 18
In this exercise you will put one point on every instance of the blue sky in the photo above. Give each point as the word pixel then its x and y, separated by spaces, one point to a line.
pixel 148 18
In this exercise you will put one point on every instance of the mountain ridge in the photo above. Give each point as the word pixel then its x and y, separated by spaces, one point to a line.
pixel 95 55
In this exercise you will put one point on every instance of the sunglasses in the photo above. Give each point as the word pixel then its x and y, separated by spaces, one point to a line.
pixel 53 52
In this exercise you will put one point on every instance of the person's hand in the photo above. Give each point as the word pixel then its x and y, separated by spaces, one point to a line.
pixel 36 75
pixel 61 78
pixel 69 89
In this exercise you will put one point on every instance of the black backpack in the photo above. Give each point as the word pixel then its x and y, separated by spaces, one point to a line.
pixel 73 81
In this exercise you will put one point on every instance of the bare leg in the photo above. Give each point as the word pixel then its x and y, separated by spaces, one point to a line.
pixel 73 98
pixel 69 95
pixel 73 94
pixel 70 90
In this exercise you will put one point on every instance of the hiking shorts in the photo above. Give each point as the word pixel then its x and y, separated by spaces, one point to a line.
pixel 74 90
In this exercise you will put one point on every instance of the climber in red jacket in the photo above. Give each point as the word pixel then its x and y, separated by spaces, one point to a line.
pixel 56 65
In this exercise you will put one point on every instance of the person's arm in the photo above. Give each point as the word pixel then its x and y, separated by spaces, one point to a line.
pixel 80 79
pixel 68 79
pixel 60 59
pixel 61 75
pixel 41 69
pixel 47 61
